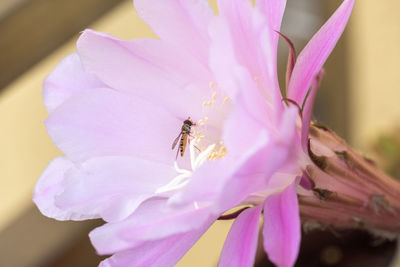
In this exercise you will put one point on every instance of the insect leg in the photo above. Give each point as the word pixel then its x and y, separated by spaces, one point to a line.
pixel 194 145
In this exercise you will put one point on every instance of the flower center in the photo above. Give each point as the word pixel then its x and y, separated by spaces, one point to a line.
pixel 208 130
pixel 205 142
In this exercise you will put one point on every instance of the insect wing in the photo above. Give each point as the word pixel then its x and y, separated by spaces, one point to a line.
pixel 176 140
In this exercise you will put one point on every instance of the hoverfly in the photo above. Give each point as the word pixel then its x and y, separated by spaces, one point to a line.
pixel 183 136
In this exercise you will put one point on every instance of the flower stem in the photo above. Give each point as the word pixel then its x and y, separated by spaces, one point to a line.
pixel 346 189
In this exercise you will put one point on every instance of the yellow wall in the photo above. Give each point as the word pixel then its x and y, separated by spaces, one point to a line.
pixel 374 57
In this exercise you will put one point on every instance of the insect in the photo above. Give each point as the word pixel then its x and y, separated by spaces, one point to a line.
pixel 183 136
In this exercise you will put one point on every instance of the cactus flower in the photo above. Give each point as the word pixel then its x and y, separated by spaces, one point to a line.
pixel 116 106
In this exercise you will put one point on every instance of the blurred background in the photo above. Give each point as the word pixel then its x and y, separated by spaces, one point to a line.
pixel 359 99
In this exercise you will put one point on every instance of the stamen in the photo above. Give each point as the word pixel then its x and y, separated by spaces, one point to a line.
pixel 222 151
pixel 211 84
pixel 218 154
pixel 219 149
pixel 215 151
pixel 208 103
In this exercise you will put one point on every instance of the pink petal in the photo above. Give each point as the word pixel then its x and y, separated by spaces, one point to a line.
pixel 112 187
pixel 229 181
pixel 273 10
pixel 241 244
pixel 242 125
pixel 244 26
pixel 153 220
pixel 250 103
pixel 251 35
pixel 237 82
pixel 103 122
pixel 50 186
pixel 252 173
pixel 239 16
pixel 308 106
pixel 315 53
pixel 147 68
pixel 182 23
pixel 281 228
pixel 163 252
pixel 215 181
pixel 247 120
pixel 222 56
pixel 67 79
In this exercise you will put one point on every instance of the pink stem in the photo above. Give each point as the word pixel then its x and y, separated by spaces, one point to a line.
pixel 348 190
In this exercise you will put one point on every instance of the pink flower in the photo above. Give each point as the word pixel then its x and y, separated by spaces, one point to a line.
pixel 116 106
